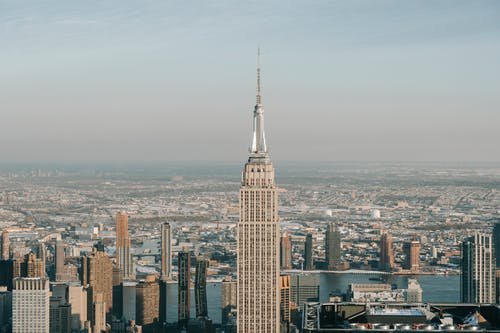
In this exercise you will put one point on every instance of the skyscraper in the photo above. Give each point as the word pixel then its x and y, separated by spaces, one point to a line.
pixel 147 303
pixel 496 242
pixel 200 288
pixel 411 250
pixel 30 305
pixel 286 251
pixel 308 253
pixel 5 245
pixel 60 258
pixel 333 251
pixel 478 272
pixel 386 252
pixel 166 251
pixel 258 237
pixel 184 264
pixel 123 255
pixel 96 273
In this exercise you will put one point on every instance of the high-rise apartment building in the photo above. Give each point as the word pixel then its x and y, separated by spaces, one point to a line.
pixel 96 273
pixel 478 271
pixel 30 305
pixel 285 294
pixel 411 250
pixel 386 252
pixel 5 245
pixel 308 253
pixel 286 251
pixel 200 288
pixel 258 237
pixel 123 254
pixel 148 303
pixel 333 250
pixel 60 259
pixel 184 282
pixel 166 251
pixel 229 301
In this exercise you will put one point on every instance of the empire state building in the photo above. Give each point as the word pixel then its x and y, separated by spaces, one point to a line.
pixel 258 237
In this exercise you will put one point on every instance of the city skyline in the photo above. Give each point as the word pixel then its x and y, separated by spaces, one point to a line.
pixel 117 82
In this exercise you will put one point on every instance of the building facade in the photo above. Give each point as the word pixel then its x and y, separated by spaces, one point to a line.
pixel 123 254
pixel 478 270
pixel 333 250
pixel 258 237
pixel 60 258
pixel 411 250
pixel 148 303
pixel 200 288
pixel 166 251
pixel 304 288
pixel 30 305
pixel 228 289
pixel 386 252
pixel 5 245
pixel 285 294
pixel 308 253
pixel 184 283
pixel 96 274
pixel 286 251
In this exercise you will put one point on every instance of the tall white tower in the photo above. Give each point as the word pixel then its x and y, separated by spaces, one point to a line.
pixel 258 303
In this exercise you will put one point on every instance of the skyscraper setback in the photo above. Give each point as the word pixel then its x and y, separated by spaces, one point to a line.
pixel 123 255
pixel 258 237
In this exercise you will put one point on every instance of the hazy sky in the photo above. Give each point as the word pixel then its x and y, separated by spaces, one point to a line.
pixel 175 80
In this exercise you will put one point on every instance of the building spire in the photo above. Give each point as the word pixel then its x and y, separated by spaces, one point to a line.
pixel 259 98
pixel 258 147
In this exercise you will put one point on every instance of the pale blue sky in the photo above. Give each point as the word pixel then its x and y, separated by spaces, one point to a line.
pixel 175 80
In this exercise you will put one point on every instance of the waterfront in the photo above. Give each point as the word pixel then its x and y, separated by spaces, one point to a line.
pixel 436 288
